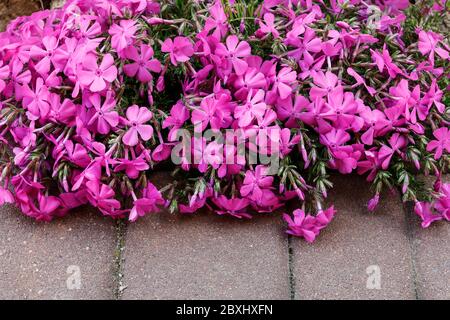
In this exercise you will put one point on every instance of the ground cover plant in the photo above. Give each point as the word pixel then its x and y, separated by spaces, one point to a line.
pixel 251 105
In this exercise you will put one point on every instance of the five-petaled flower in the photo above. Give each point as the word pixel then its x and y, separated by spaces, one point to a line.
pixel 97 77
pixel 180 49
pixel 136 119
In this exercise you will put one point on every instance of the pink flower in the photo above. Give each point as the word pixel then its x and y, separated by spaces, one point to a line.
pixel 150 202
pixel 302 225
pixel 304 47
pixel 268 26
pixel 292 112
pixel 46 55
pixel 255 107
pixel 341 111
pixel 331 49
pixel 345 157
pixel 376 123
pixel 179 114
pixel 424 211
pixel 136 119
pixel 123 34
pixel 407 100
pixel 217 22
pixel 97 77
pixel 396 142
pixel 48 206
pixel 373 203
pixel 256 183
pixel 4 74
pixel 235 51
pixel 5 196
pixel 162 152
pixel 433 96
pixel 325 84
pixel 77 154
pixel 251 79
pixel 215 112
pixel 180 49
pixel 442 143
pixel 286 143
pixel 62 112
pixel 73 200
pixel 284 81
pixel 37 101
pixel 383 60
pixel 101 196
pixel 442 204
pixel 132 167
pixel 143 63
pixel 234 207
pixel 360 80
pixel 428 44
pixel 104 115
pixel 324 217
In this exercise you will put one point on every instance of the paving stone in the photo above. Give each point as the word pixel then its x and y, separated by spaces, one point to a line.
pixel 205 256
pixel 432 257
pixel 11 9
pixel 41 260
pixel 354 247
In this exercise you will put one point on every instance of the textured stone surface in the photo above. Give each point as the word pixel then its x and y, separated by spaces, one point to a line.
pixel 432 253
pixel 432 257
pixel 205 256
pixel 335 266
pixel 9 9
pixel 36 258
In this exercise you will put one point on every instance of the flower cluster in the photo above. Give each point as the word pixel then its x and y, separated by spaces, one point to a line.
pixel 252 104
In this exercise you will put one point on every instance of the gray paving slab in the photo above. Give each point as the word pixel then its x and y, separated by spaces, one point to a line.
pixel 432 257
pixel 205 256
pixel 357 249
pixel 69 258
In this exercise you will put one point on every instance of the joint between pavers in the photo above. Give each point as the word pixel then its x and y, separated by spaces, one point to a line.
pixel 118 272
pixel 413 249
pixel 291 268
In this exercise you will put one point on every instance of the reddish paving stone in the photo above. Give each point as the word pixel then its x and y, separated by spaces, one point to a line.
pixel 205 256
pixel 11 9
pixel 432 257
pixel 35 257
pixel 335 266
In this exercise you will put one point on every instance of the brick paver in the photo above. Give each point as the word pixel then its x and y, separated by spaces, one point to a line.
pixel 37 259
pixel 431 248
pixel 355 246
pixel 432 255
pixel 205 256
pixel 10 9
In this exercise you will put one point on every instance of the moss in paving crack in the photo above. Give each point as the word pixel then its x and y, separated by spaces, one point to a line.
pixel 408 213
pixel 121 228
pixel 291 268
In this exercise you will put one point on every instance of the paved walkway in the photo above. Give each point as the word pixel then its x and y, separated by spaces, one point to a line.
pixel 361 255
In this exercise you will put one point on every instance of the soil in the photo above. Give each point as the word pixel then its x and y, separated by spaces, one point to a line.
pixel 10 9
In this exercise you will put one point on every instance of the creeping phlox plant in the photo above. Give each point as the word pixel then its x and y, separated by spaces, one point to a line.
pixel 251 104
